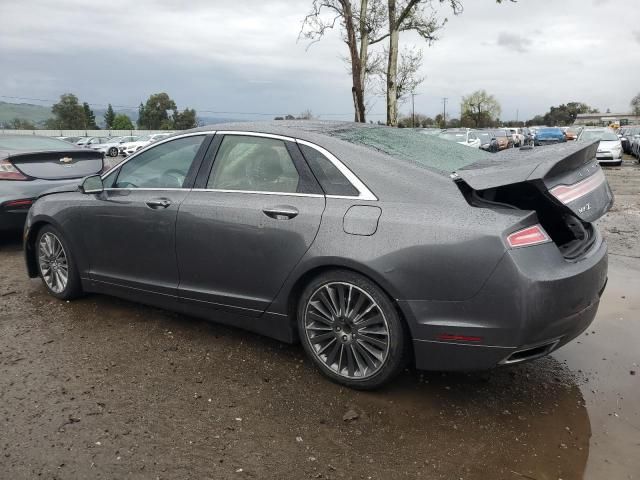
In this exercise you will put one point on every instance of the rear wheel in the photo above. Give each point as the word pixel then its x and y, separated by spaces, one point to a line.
pixel 56 265
pixel 351 330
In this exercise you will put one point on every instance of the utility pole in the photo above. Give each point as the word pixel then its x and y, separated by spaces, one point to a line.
pixel 517 112
pixel 444 111
pixel 413 110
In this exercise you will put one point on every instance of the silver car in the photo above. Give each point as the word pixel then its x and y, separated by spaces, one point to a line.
pixel 609 147
pixel 31 165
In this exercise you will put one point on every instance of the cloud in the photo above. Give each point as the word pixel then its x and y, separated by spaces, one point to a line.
pixel 636 35
pixel 513 41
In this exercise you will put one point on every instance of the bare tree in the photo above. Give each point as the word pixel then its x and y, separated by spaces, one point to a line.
pixel 361 22
pixel 407 77
pixel 635 105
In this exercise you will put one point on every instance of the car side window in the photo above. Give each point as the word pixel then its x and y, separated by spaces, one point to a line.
pixel 163 166
pixel 333 182
pixel 253 164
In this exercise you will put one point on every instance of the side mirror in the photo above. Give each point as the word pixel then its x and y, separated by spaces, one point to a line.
pixel 92 184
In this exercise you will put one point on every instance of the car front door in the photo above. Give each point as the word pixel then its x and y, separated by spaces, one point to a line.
pixel 130 229
pixel 241 234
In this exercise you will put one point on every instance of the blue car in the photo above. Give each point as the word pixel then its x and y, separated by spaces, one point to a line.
pixel 548 135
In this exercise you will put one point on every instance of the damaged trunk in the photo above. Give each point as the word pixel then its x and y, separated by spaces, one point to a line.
pixel 563 184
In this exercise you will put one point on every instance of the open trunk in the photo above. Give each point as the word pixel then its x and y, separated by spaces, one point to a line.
pixel 58 165
pixel 563 183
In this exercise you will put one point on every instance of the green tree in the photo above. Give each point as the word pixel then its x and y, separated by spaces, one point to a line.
pixel 155 112
pixel 635 105
pixel 20 124
pixel 481 107
pixel 68 114
pixel 566 114
pixel 90 118
pixel 141 115
pixel 122 122
pixel 185 119
pixel 109 117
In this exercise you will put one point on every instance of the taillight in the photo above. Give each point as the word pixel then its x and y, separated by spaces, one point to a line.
pixel 9 172
pixel 22 203
pixel 528 236
pixel 568 193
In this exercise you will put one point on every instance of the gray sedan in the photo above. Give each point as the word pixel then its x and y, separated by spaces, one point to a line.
pixel 30 165
pixel 372 246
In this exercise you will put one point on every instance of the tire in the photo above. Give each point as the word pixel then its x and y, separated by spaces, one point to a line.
pixel 359 350
pixel 51 261
pixel 113 152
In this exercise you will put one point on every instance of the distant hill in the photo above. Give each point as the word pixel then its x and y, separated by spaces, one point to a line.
pixel 36 114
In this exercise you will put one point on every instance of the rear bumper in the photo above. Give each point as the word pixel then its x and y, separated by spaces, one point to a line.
pixel 534 302
pixel 12 220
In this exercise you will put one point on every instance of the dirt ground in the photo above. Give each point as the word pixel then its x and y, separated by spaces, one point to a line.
pixel 103 388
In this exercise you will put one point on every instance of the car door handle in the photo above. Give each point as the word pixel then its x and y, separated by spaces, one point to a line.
pixel 281 212
pixel 156 203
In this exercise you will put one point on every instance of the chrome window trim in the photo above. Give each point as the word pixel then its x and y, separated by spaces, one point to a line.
pixel 154 144
pixel 256 134
pixel 365 193
pixel 145 189
pixel 259 192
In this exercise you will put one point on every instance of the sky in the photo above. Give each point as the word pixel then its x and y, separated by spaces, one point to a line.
pixel 243 59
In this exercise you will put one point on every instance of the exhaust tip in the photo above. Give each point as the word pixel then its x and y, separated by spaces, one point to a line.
pixel 530 353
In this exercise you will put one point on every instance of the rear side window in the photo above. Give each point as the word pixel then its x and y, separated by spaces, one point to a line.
pixel 253 164
pixel 333 182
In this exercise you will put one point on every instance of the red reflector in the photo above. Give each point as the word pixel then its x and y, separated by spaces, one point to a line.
pixel 458 338
pixel 528 236
pixel 569 193
pixel 26 202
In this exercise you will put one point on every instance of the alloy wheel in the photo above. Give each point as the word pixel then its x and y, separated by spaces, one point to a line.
pixel 347 330
pixel 53 262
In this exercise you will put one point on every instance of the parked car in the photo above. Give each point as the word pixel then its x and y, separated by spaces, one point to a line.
pixel 69 139
pixel 549 135
pixel 504 138
pixel 373 246
pixel 112 146
pixel 609 149
pixel 139 143
pixel 517 136
pixel 91 142
pixel 571 133
pixel 488 141
pixel 635 146
pixel 30 165
pixel 626 135
pixel 463 136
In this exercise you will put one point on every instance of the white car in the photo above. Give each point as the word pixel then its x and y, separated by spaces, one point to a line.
pixel 131 147
pixel 610 146
pixel 517 135
pixel 112 146
pixel 463 136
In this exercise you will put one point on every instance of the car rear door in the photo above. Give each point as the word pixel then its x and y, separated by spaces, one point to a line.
pixel 129 229
pixel 254 214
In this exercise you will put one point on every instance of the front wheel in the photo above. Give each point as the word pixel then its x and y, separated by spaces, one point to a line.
pixel 113 152
pixel 351 330
pixel 56 265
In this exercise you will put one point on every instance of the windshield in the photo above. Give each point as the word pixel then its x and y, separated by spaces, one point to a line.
pixel 31 142
pixel 454 136
pixel 144 138
pixel 500 133
pixel 602 135
pixel 485 137
pixel 410 146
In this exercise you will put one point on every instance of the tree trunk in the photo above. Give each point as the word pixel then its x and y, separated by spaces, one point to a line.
pixel 392 67
pixel 356 67
pixel 364 43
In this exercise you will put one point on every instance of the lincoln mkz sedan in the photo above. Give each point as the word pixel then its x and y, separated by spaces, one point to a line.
pixel 372 246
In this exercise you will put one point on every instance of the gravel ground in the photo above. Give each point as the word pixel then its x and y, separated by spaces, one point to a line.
pixel 103 388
